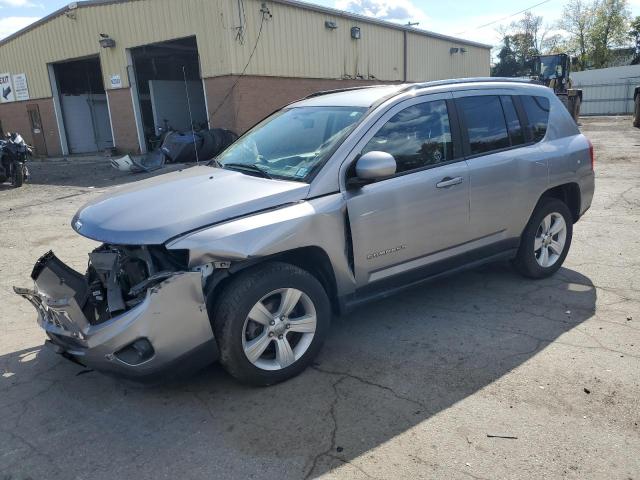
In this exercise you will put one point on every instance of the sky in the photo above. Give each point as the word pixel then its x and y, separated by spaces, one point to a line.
pixel 462 18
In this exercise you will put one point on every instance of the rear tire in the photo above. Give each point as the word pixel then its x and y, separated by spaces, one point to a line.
pixel 636 115
pixel 546 239
pixel 263 323
pixel 576 108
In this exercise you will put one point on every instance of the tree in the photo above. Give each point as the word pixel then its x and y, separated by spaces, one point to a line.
pixel 521 41
pixel 577 20
pixel 553 43
pixel 595 28
pixel 634 34
pixel 610 29
pixel 507 65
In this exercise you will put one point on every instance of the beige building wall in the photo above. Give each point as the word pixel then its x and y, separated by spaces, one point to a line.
pixel 134 23
pixel 296 55
pixel 294 43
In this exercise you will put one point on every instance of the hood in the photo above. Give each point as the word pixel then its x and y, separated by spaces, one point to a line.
pixel 152 211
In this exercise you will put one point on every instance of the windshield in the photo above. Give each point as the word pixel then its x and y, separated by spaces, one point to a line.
pixel 550 67
pixel 292 143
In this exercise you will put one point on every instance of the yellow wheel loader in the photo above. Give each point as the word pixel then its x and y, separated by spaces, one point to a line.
pixel 554 71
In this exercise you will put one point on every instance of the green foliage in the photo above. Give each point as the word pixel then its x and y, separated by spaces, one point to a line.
pixel 610 29
pixel 634 35
pixel 521 41
pixel 593 30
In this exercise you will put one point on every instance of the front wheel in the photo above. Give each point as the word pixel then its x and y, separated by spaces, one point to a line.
pixel 270 323
pixel 18 175
pixel 546 240
pixel 636 112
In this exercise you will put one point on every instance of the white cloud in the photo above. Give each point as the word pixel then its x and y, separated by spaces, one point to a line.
pixel 399 11
pixel 18 3
pixel 9 25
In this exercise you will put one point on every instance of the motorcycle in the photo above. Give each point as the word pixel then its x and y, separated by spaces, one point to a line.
pixel 13 159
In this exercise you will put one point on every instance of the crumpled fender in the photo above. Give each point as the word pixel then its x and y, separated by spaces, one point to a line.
pixel 320 222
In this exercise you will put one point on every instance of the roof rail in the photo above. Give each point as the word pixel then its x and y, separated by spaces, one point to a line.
pixel 453 81
pixel 406 87
pixel 340 90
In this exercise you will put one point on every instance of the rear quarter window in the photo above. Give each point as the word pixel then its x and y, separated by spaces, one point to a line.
pixel 537 110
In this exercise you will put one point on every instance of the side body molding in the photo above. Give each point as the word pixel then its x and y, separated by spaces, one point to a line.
pixel 318 222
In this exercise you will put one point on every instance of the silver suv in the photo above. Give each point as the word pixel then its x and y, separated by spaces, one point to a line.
pixel 332 201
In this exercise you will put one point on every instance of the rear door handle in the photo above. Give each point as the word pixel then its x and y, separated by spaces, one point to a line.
pixel 449 182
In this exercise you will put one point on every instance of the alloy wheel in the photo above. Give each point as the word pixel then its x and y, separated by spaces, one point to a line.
pixel 279 329
pixel 550 240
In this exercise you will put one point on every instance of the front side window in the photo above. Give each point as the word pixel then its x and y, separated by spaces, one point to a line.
pixel 485 124
pixel 537 109
pixel 291 144
pixel 419 136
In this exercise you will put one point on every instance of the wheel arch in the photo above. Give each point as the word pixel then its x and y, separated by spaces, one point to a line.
pixel 569 193
pixel 312 259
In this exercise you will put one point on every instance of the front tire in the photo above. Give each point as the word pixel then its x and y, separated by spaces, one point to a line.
pixel 270 322
pixel 18 176
pixel 636 112
pixel 546 239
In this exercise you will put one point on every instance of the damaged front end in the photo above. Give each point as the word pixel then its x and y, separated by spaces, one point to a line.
pixel 138 311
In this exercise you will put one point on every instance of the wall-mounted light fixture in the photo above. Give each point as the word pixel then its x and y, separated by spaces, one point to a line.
pixel 70 13
pixel 356 34
pixel 106 41
pixel 330 25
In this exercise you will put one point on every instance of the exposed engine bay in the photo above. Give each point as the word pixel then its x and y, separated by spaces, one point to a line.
pixel 137 311
pixel 118 277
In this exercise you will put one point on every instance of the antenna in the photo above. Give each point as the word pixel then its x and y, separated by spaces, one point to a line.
pixel 193 133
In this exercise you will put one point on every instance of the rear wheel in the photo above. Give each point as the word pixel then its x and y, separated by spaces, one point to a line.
pixel 636 113
pixel 270 323
pixel 546 239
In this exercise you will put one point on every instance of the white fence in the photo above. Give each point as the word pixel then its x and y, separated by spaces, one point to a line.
pixel 607 91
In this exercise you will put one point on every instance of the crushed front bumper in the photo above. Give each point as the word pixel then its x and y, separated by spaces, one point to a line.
pixel 168 331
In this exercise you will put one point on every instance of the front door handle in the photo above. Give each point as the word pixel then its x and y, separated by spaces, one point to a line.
pixel 449 182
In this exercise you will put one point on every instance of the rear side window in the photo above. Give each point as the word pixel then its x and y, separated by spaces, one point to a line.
pixel 537 109
pixel 419 136
pixel 484 122
pixel 516 133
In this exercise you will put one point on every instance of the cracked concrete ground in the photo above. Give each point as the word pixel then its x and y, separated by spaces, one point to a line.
pixel 407 387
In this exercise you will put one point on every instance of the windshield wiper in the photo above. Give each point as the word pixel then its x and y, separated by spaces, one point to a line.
pixel 251 167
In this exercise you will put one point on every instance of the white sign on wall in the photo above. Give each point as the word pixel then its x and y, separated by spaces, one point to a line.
pixel 21 90
pixel 116 81
pixel 6 88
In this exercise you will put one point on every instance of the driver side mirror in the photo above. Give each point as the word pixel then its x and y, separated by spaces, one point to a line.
pixel 375 166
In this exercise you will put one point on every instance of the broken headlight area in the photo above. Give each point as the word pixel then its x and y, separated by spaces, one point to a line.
pixel 137 311
pixel 118 277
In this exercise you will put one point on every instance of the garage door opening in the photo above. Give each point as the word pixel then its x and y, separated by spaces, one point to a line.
pixel 85 112
pixel 170 88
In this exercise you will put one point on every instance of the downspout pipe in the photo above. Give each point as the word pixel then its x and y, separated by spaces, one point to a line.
pixel 404 75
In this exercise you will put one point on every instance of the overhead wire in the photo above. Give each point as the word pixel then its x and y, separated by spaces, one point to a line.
pixel 503 18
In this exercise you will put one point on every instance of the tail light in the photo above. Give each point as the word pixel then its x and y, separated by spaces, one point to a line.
pixel 592 155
